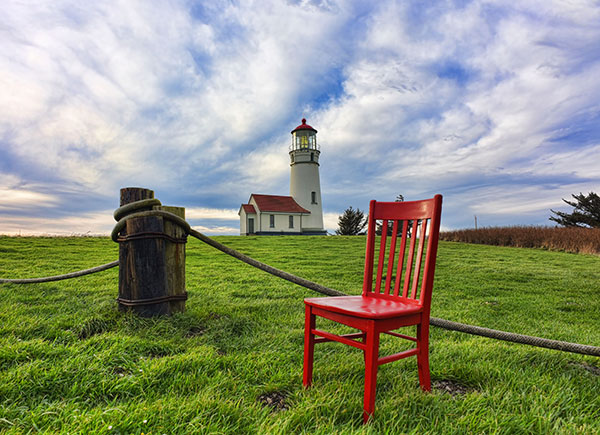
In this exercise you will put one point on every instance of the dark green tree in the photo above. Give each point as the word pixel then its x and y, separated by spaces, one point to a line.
pixel 351 223
pixel 586 212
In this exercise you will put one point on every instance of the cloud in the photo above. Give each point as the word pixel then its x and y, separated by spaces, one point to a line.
pixel 96 223
pixel 217 230
pixel 514 81
pixel 211 213
pixel 16 199
pixel 476 100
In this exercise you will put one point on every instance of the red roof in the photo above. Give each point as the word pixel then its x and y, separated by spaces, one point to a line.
pixel 249 208
pixel 283 204
pixel 304 126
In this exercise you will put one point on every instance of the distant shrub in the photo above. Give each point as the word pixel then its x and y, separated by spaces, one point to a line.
pixel 576 240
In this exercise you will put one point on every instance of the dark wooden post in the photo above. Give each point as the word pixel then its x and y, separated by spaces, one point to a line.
pixel 175 259
pixel 151 260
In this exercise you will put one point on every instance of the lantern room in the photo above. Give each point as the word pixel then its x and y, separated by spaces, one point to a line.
pixel 304 137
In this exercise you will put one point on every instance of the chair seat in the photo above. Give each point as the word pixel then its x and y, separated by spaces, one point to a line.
pixel 370 307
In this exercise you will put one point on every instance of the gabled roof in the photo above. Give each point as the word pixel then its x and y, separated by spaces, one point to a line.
pixel 249 208
pixel 277 203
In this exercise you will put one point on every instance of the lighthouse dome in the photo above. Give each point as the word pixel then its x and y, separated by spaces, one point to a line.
pixel 303 126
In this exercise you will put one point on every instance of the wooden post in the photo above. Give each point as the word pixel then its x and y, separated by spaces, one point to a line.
pixel 151 260
pixel 175 259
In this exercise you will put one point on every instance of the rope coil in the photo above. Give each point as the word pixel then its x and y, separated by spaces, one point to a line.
pixel 151 235
pixel 123 217
pixel 152 301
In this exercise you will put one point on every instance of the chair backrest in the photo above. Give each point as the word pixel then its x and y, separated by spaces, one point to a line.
pixel 397 268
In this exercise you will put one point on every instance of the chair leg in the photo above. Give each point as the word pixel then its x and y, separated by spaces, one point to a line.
pixel 364 341
pixel 309 346
pixel 371 366
pixel 423 356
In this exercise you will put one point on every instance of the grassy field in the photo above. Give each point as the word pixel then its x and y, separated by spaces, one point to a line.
pixel 232 363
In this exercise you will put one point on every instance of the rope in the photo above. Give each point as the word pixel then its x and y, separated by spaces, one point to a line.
pixel 161 213
pixel 133 206
pixel 440 323
pixel 59 277
pixel 583 349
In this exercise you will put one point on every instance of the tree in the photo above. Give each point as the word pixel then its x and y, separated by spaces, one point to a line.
pixel 586 212
pixel 351 223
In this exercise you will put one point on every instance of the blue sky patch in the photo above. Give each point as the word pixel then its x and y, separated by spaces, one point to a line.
pixel 452 70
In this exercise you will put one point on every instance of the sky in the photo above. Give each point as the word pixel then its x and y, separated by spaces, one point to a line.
pixel 493 104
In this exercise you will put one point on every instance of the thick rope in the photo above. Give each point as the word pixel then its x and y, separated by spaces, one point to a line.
pixel 59 277
pixel 441 323
pixel 133 206
pixel 583 349
pixel 160 213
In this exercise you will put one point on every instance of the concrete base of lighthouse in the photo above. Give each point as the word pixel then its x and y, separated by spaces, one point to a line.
pixel 281 233
pixel 314 232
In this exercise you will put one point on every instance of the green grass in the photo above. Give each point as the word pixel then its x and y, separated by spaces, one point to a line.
pixel 70 362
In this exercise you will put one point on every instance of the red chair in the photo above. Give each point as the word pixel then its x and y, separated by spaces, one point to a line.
pixel 394 302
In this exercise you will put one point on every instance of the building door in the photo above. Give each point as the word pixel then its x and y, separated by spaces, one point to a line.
pixel 250 225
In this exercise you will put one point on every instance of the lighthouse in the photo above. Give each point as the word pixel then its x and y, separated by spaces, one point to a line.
pixel 301 213
pixel 305 183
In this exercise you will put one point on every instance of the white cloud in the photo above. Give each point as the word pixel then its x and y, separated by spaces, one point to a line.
pixel 17 199
pixel 330 221
pixel 217 231
pixel 424 132
pixel 408 98
pixel 581 163
pixel 211 213
pixel 96 223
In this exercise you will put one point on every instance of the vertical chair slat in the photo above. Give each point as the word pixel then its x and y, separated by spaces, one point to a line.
pixel 422 237
pixel 400 265
pixel 381 260
pixel 368 276
pixel 392 256
pixel 410 259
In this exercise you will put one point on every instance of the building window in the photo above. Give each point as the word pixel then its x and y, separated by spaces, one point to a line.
pixel 291 221
pixel 303 142
pixel 272 221
pixel 312 157
pixel 292 158
pixel 313 197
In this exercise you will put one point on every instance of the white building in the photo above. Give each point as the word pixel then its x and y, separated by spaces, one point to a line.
pixel 302 211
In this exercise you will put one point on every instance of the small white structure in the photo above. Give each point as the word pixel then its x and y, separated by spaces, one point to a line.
pixel 271 214
pixel 302 211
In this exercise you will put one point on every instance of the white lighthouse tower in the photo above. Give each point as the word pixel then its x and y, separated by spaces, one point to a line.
pixel 305 184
